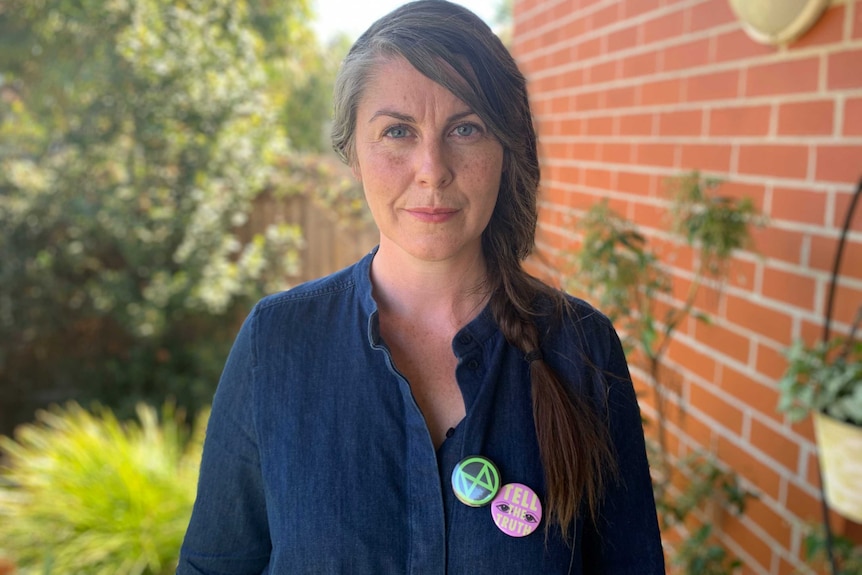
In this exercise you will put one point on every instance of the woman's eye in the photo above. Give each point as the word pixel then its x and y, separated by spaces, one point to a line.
pixel 466 130
pixel 530 518
pixel 396 132
pixel 504 507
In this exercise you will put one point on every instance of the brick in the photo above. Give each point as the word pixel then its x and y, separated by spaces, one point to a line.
pixel 616 153
pixel 844 71
pixel 802 504
pixel 632 8
pixel 853 117
pixel 706 157
pixel 739 191
pixel 648 215
pixel 714 86
pixel 791 288
pixel 649 154
pixel 842 210
pixel 770 360
pixel 686 56
pixel 839 163
pixel 701 364
pixel 764 514
pixel 823 256
pixel 776 445
pixel 763 398
pixel 778 161
pixel 857 21
pixel 774 325
pixel 600 73
pixel 710 14
pixel 597 179
pixel 829 29
pixel 788 77
pixel 640 65
pixel 583 151
pixel 604 17
pixel 806 118
pixel 742 274
pixel 784 245
pixel 560 104
pixel 736 45
pixel 589 49
pixel 723 341
pixel 622 39
pixel 587 101
pixel 664 27
pixel 739 121
pixel 620 97
pixel 561 57
pixel 684 123
pixel 715 407
pixel 600 126
pixel 661 92
pixel 801 206
pixel 636 125
pixel 847 302
pixel 571 78
pixel 749 466
pixel 638 184
pixel 754 546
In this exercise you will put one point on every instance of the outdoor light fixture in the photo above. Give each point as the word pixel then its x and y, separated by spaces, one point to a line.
pixel 777 21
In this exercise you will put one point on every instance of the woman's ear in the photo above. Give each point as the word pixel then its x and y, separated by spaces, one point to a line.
pixel 357 173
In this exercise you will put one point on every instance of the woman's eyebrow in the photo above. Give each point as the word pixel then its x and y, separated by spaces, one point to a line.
pixel 410 119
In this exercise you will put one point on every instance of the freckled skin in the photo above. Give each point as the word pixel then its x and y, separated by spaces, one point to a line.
pixel 429 167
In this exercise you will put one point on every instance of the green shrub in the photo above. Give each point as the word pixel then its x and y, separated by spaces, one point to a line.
pixel 82 492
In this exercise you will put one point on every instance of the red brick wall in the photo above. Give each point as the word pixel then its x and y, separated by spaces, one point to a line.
pixel 627 93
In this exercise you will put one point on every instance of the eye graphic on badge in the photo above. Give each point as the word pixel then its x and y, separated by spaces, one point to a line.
pixel 516 510
pixel 506 508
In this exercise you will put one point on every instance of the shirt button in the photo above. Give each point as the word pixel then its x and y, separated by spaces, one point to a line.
pixel 464 339
pixel 473 364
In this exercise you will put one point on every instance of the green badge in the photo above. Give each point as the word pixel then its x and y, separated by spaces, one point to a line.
pixel 475 481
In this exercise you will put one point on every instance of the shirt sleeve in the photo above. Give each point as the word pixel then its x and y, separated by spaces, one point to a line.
pixel 228 533
pixel 625 539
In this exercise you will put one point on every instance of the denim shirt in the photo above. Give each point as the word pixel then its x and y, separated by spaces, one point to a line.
pixel 318 460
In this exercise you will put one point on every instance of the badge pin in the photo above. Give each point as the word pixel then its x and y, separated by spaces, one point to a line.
pixel 475 481
pixel 517 510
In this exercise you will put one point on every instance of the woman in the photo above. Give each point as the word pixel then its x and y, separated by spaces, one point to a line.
pixel 432 408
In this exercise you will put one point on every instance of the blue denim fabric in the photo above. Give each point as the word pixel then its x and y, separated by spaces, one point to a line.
pixel 318 460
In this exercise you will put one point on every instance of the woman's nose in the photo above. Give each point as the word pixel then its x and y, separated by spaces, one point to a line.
pixel 433 166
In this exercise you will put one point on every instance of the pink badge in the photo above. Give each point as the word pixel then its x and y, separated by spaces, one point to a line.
pixel 516 510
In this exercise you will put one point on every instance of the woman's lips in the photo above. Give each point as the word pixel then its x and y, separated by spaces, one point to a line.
pixel 432 215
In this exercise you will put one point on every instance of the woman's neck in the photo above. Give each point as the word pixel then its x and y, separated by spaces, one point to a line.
pixel 453 290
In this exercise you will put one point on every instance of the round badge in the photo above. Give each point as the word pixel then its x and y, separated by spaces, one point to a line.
pixel 475 481
pixel 516 510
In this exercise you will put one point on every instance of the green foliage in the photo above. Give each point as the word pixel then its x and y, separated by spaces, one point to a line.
pixel 84 493
pixel 134 138
pixel 618 268
pixel 847 554
pixel 708 487
pixel 716 224
pixel 615 265
pixel 307 111
pixel 825 377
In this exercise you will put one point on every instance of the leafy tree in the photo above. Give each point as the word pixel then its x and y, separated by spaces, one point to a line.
pixel 134 137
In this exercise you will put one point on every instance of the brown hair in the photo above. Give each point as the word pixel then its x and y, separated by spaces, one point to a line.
pixel 452 46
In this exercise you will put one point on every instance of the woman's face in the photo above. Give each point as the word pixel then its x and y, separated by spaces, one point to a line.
pixel 429 167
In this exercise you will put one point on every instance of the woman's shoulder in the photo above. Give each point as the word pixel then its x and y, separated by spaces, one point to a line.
pixel 569 322
pixel 348 288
